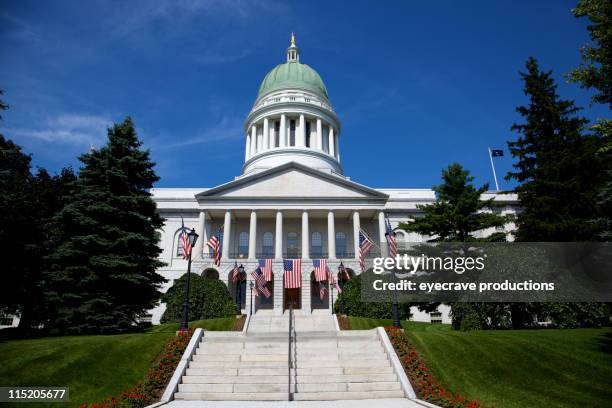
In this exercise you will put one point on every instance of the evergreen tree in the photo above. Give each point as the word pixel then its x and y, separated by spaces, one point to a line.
pixel 556 165
pixel 595 72
pixel 103 273
pixel 459 212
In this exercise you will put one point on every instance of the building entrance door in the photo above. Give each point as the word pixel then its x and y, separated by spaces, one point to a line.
pixel 293 297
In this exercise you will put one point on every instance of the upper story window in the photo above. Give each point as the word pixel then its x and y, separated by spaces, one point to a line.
pixel 292 132
pixel 243 244
pixel 292 244
pixel 268 244
pixel 341 244
pixel 308 141
pixel 277 133
pixel 316 247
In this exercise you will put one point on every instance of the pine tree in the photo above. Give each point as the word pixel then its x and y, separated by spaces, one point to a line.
pixel 103 274
pixel 459 212
pixel 556 165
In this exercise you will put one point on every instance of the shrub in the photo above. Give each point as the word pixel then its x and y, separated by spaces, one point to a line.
pixel 353 305
pixel 208 298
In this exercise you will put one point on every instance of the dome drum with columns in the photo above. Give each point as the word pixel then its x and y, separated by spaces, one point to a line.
pixel 292 200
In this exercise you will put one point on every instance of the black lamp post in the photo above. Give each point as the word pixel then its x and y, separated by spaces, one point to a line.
pixel 239 290
pixel 340 270
pixel 251 286
pixel 395 315
pixel 331 292
pixel 193 237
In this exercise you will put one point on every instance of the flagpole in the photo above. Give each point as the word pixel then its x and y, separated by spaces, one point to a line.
pixel 493 167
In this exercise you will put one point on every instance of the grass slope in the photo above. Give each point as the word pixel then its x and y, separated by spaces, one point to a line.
pixel 517 368
pixel 93 367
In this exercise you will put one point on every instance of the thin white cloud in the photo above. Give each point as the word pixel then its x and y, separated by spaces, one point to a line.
pixel 211 59
pixel 65 129
pixel 225 129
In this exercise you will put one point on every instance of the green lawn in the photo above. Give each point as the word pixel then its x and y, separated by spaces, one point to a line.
pixel 93 367
pixel 517 368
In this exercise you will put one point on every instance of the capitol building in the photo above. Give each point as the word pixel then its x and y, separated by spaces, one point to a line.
pixel 292 200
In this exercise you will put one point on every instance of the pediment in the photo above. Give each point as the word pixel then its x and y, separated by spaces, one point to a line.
pixel 292 181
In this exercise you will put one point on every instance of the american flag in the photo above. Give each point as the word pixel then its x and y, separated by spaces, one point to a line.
pixel 320 269
pixel 260 283
pixel 293 273
pixel 364 247
pixel 322 291
pixel 236 273
pixel 390 234
pixel 347 275
pixel 185 241
pixel 266 266
pixel 215 242
pixel 334 281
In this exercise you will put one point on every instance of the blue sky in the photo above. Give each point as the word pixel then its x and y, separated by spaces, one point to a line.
pixel 416 85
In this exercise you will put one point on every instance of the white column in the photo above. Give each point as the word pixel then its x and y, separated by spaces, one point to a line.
pixel 266 134
pixel 301 135
pixel 319 144
pixel 227 232
pixel 305 235
pixel 272 135
pixel 253 235
pixel 283 131
pixel 247 150
pixel 278 238
pixel 331 235
pixel 199 247
pixel 381 233
pixel 331 146
pixel 253 140
pixel 356 226
pixel 337 146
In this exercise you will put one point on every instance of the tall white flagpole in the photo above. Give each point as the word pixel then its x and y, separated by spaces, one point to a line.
pixel 493 167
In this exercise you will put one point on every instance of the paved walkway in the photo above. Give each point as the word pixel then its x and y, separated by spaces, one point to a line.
pixel 267 322
pixel 386 403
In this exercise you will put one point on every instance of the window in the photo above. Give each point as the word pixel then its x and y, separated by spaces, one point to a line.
pixel 243 244
pixel 308 141
pixel 6 320
pixel 292 244
pixel 316 248
pixel 268 244
pixel 435 317
pixel 292 133
pixel 276 134
pixel 341 244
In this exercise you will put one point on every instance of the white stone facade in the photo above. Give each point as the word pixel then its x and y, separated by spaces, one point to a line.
pixel 292 200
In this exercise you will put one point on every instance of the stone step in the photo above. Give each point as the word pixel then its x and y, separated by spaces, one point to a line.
pixel 235 387
pixel 346 395
pixel 204 363
pixel 268 371
pixel 374 386
pixel 198 377
pixel 239 357
pixel 231 396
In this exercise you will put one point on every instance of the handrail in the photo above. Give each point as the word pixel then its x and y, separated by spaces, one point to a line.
pixel 289 362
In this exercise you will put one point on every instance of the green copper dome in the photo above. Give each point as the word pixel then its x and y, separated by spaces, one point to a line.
pixel 292 74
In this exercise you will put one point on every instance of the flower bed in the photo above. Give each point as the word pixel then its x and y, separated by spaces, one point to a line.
pixel 152 387
pixel 425 385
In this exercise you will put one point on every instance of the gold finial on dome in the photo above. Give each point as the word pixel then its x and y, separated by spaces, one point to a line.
pixel 292 39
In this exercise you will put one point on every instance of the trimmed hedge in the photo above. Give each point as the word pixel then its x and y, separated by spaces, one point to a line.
pixel 351 303
pixel 208 299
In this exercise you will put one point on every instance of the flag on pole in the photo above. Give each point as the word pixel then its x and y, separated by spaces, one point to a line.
pixel 292 273
pixel 343 270
pixel 320 269
pixel 260 283
pixel 185 241
pixel 334 281
pixel 236 273
pixel 322 291
pixel 364 247
pixel 215 242
pixel 391 241
pixel 497 152
pixel 266 266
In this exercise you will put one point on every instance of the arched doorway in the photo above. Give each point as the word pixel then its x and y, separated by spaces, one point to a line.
pixel 319 293
pixel 237 290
